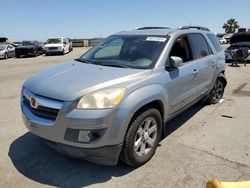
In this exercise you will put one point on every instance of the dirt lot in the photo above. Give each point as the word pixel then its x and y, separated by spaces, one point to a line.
pixel 203 142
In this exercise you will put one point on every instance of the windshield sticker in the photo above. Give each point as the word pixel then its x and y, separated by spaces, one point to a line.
pixel 157 39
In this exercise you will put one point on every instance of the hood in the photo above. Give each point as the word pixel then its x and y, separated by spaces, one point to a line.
pixel 70 80
pixel 53 45
pixel 240 38
pixel 25 47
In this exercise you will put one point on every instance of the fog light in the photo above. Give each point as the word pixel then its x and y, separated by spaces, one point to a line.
pixel 84 136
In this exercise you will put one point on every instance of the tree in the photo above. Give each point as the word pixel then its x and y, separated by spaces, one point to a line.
pixel 230 26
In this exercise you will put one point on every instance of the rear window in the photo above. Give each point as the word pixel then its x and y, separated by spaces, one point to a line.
pixel 215 42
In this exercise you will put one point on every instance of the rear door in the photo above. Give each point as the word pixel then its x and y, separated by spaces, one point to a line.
pixel 204 59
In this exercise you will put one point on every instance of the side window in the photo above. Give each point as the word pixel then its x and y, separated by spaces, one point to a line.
pixel 215 42
pixel 113 49
pixel 181 49
pixel 64 40
pixel 199 46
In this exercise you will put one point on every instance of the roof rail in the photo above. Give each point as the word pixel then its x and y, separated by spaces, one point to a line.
pixel 194 27
pixel 144 28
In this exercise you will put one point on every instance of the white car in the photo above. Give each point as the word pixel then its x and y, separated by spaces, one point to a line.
pixel 223 41
pixel 59 45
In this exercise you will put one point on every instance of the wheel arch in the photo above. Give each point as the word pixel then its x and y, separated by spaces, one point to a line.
pixel 222 76
pixel 150 96
pixel 157 104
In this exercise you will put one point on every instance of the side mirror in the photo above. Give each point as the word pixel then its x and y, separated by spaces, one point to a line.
pixel 175 62
pixel 64 42
pixel 44 43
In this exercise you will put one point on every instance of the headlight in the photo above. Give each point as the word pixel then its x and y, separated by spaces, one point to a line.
pixel 106 98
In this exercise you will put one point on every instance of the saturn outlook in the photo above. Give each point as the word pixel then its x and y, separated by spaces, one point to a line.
pixel 113 102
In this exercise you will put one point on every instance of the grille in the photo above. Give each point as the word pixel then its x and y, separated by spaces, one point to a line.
pixel 52 48
pixel 41 111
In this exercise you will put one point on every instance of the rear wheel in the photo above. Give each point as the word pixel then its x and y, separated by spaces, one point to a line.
pixel 217 92
pixel 142 138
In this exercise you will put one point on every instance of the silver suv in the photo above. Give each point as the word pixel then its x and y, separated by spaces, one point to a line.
pixel 113 102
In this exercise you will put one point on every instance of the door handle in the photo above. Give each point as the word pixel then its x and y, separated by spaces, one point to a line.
pixel 195 72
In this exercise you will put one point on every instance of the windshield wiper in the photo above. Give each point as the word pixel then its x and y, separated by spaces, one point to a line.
pixel 112 65
pixel 83 61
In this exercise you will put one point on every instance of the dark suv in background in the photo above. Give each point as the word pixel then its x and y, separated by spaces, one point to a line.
pixel 29 48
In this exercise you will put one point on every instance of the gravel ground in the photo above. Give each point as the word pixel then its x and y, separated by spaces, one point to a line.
pixel 203 142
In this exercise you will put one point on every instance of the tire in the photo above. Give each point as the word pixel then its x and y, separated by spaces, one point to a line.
pixel 5 56
pixel 217 92
pixel 35 53
pixel 138 134
pixel 63 52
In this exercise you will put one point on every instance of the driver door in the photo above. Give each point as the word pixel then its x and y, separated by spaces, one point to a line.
pixel 182 81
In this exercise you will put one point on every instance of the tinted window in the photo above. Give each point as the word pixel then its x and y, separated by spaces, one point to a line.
pixel 199 46
pixel 28 43
pixel 215 42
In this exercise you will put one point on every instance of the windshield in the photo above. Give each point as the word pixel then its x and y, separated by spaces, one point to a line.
pixel 2 46
pixel 27 43
pixel 126 51
pixel 54 41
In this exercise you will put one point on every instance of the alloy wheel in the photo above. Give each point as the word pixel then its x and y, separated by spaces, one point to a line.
pixel 146 136
pixel 217 91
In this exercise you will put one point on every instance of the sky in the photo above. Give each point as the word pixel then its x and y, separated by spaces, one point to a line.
pixel 41 19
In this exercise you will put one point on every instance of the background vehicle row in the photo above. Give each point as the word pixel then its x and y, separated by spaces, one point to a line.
pixel 60 45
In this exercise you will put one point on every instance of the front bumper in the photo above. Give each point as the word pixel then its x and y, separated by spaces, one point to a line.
pixel 25 52
pixel 110 124
pixel 53 51
pixel 108 155
pixel 1 55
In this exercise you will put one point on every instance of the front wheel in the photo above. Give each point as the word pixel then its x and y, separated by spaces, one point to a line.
pixel 5 56
pixel 217 92
pixel 35 53
pixel 142 138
